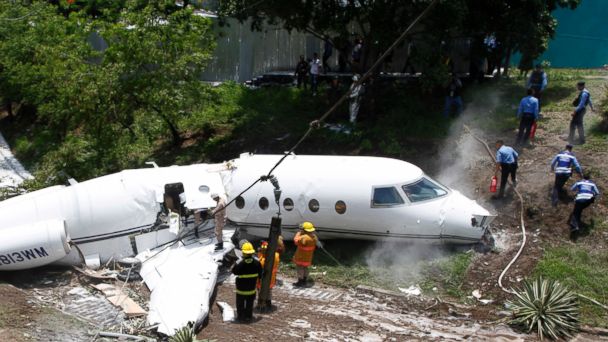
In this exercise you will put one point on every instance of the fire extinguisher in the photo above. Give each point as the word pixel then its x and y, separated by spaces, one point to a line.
pixel 533 131
pixel 493 184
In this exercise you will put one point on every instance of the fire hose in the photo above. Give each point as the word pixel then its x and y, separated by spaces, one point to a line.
pixel 523 230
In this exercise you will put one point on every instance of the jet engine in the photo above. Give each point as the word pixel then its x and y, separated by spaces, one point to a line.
pixel 33 245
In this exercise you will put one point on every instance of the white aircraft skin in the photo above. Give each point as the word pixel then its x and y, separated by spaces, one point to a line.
pixel 353 181
pixel 115 216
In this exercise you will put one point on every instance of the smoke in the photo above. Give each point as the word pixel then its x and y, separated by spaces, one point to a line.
pixel 460 153
pixel 459 160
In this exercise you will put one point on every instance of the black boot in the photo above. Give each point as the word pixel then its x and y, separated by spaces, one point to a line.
pixel 219 246
pixel 299 283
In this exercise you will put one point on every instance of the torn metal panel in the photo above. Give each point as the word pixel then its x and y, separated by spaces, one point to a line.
pixel 182 279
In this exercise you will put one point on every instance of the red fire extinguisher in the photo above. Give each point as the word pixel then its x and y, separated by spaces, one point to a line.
pixel 493 184
pixel 533 131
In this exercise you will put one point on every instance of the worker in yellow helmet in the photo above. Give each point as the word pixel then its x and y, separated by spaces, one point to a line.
pixel 306 242
pixel 247 272
pixel 275 268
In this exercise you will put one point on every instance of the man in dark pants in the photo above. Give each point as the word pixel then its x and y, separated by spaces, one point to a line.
pixel 562 165
pixel 582 100
pixel 301 72
pixel 537 82
pixel 586 190
pixel 528 114
pixel 506 162
pixel 247 272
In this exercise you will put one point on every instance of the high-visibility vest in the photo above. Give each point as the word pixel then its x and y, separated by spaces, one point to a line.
pixel 275 268
pixel 306 244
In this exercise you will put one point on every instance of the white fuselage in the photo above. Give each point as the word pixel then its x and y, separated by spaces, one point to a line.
pixel 118 215
pixel 340 182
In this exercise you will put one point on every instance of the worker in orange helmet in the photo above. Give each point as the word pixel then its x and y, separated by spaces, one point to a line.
pixel 275 268
pixel 306 242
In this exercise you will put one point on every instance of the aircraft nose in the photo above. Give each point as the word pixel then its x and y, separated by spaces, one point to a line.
pixel 465 218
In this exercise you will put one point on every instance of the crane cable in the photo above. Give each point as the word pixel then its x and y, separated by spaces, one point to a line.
pixel 317 123
pixel 521 217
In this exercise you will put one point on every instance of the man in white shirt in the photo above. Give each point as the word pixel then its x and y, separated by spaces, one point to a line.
pixel 315 67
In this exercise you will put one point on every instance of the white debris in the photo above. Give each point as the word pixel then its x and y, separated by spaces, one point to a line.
pixel 413 290
pixel 476 294
pixel 486 301
pixel 78 291
pixel 300 323
pixel 227 311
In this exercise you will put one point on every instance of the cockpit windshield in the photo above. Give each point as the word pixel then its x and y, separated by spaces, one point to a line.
pixel 423 189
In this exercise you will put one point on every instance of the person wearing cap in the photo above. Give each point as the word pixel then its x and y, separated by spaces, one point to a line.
pixel 247 272
pixel 537 82
pixel 219 215
pixel 275 268
pixel 586 191
pixel 562 165
pixel 306 242
pixel 506 162
pixel 356 90
pixel 580 103
pixel 527 112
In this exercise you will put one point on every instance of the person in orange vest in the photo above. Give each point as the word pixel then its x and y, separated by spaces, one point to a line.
pixel 306 242
pixel 275 268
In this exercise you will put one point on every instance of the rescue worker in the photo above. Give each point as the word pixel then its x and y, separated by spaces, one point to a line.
pixel 306 242
pixel 452 97
pixel 537 82
pixel 528 114
pixel 506 162
pixel 586 191
pixel 562 165
pixel 275 268
pixel 301 72
pixel 580 103
pixel 219 214
pixel 247 272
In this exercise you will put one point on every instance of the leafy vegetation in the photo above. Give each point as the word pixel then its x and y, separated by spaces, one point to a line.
pixel 547 307
pixel 583 271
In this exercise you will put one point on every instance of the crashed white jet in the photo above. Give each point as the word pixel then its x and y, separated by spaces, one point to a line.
pixel 134 212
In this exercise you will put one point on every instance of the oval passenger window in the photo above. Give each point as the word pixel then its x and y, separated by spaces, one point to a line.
pixel 263 203
pixel 204 189
pixel 288 204
pixel 340 207
pixel 239 202
pixel 313 205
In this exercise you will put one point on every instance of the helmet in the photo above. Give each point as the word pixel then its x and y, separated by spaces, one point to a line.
pixel 264 245
pixel 247 248
pixel 307 226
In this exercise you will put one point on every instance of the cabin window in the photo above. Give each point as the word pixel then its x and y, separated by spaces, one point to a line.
pixel 203 189
pixel 239 202
pixel 263 203
pixel 288 204
pixel 313 205
pixel 340 207
pixel 386 196
pixel 423 190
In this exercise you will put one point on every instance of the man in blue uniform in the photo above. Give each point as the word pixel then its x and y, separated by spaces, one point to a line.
pixel 586 190
pixel 247 272
pixel 506 162
pixel 537 82
pixel 562 165
pixel 580 103
pixel 528 114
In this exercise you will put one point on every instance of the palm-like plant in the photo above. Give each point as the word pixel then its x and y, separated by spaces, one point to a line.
pixel 548 306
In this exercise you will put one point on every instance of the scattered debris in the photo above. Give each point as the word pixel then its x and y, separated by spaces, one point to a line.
pixel 115 295
pixel 300 323
pixel 413 290
pixel 122 336
pixel 227 311
pixel 476 294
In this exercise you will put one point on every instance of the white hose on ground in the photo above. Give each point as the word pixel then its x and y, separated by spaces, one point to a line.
pixel 521 217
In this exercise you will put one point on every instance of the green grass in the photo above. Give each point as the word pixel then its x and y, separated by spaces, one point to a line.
pixel 387 266
pixel 582 270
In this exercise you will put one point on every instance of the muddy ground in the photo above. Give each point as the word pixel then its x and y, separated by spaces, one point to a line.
pixel 325 313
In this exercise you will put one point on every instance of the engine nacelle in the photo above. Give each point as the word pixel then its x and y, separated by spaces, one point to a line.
pixel 33 245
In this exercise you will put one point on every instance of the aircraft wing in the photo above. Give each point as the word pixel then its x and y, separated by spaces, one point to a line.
pixel 182 279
